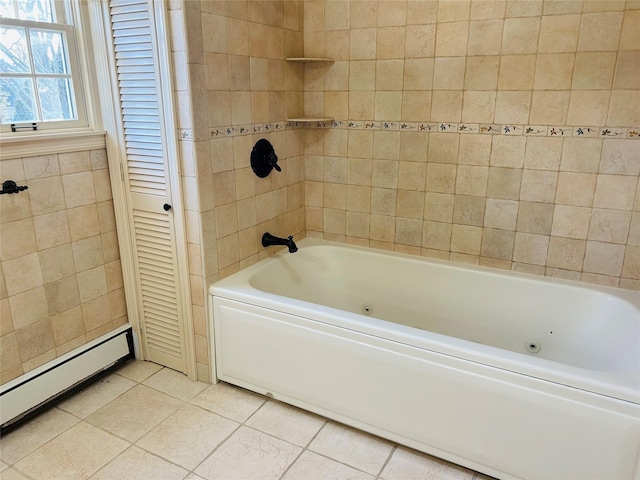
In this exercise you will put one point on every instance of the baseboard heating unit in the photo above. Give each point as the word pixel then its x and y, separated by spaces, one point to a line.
pixel 29 394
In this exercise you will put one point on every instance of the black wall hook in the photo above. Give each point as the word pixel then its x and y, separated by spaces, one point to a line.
pixel 264 158
pixel 9 186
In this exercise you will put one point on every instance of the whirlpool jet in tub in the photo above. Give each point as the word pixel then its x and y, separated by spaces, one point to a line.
pixel 513 375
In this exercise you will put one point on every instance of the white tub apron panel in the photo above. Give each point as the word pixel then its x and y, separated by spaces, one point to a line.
pixel 495 421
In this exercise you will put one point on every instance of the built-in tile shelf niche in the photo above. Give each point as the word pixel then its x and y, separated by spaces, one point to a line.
pixel 310 60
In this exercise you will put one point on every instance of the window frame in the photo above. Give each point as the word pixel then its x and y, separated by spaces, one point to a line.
pixel 66 135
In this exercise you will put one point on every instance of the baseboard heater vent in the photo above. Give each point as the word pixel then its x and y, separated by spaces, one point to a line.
pixel 29 394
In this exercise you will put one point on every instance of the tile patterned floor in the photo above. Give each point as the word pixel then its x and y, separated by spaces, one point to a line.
pixel 148 422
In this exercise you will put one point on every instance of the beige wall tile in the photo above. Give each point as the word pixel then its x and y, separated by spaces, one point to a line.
pixel 507 151
pixel 436 235
pixel 485 37
pixel 471 180
pixel 451 39
pixel 615 191
pixel 530 248
pixel 383 202
pixel 593 70
pixel 581 155
pixel 446 106
pixel 504 183
pixel 523 8
pixel 474 149
pixel 588 107
pixel 554 71
pixel 468 210
pixel 535 218
pixel 418 73
pixel 22 273
pixel 609 226
pixel 466 239
pixel 412 175
pixel 600 31
pixel 478 106
pixel 516 72
pixel 481 73
pixel 440 178
pixel 624 108
pixel 571 222
pixel 549 108
pixel 626 76
pixel 390 42
pixel 19 239
pixel 421 11
pixel 438 207
pixel 408 231
pixel 575 189
pixel 501 214
pixel 620 157
pixel 566 253
pixel 453 10
pixel 39 167
pixel 630 36
pixel 420 41
pixel 520 35
pixel 497 243
pixel 28 308
pixel 559 33
pixel 382 228
pixel 557 7
pixel 604 258
pixel 538 186
pixel 543 153
pixel 448 73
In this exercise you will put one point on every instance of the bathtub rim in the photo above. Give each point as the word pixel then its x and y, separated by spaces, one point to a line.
pixel 620 386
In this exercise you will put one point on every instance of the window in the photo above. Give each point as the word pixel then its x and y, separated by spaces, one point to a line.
pixel 40 80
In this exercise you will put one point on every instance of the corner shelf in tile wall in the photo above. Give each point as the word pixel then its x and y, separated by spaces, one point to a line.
pixel 310 60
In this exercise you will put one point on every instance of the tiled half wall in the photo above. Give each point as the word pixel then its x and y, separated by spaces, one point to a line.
pixel 59 259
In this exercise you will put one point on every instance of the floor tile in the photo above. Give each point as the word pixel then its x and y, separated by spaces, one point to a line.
pixel 145 466
pixel 33 434
pixel 286 422
pixel 311 465
pixel 193 476
pixel 406 464
pixel 3 466
pixel 353 447
pixel 97 395
pixel 135 413
pixel 138 370
pixel 188 436
pixel 247 455
pixel 175 384
pixel 231 402
pixel 75 455
pixel 11 474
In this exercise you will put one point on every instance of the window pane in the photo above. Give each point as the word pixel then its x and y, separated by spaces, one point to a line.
pixel 47 48
pixel 37 10
pixel 6 9
pixel 56 99
pixel 14 55
pixel 17 101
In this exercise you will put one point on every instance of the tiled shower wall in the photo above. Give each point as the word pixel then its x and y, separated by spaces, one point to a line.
pixel 230 73
pixel 547 200
pixel 59 259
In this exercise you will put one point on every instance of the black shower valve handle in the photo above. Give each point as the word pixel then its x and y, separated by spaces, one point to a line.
pixel 272 158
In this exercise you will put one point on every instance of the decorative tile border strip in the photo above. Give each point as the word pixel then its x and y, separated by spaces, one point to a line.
pixel 443 127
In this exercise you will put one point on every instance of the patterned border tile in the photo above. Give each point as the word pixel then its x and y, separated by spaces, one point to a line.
pixel 445 127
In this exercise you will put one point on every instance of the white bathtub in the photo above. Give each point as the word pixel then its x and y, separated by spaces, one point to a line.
pixel 512 375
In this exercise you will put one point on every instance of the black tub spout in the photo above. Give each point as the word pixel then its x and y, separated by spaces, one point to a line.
pixel 269 240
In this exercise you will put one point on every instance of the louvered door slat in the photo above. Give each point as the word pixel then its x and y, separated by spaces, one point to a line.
pixel 146 171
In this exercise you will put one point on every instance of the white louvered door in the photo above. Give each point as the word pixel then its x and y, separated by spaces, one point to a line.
pixel 145 154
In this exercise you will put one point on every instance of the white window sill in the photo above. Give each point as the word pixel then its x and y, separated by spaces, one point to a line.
pixel 35 144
